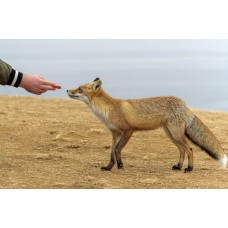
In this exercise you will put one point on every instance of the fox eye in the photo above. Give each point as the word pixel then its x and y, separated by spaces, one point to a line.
pixel 80 89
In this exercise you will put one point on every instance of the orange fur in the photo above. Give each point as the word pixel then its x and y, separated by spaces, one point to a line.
pixel 123 117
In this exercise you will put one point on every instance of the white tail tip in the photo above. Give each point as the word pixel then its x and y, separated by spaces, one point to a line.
pixel 223 162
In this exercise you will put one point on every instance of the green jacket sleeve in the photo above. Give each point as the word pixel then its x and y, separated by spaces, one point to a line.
pixel 9 76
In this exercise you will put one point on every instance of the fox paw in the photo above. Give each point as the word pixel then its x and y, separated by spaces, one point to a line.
pixel 106 168
pixel 176 167
pixel 188 170
pixel 120 165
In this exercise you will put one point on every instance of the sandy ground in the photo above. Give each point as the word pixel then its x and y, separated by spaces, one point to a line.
pixel 59 143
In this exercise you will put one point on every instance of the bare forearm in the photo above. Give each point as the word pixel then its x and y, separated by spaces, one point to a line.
pixel 35 84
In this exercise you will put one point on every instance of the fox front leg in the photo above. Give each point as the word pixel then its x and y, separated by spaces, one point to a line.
pixel 115 154
pixel 119 141
pixel 117 151
pixel 121 144
pixel 113 158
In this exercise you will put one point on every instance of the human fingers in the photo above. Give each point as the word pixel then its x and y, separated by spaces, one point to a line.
pixel 47 83
pixel 47 87
pixel 57 87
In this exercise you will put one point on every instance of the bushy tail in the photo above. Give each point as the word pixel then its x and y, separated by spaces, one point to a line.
pixel 201 135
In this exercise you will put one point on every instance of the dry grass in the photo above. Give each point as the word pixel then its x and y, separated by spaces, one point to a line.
pixel 58 143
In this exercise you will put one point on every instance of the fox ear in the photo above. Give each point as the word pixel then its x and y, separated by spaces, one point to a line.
pixel 96 85
pixel 96 79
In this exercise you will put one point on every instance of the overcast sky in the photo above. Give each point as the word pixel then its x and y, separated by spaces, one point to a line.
pixel 195 70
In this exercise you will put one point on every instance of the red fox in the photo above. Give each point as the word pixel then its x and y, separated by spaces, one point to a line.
pixel 123 117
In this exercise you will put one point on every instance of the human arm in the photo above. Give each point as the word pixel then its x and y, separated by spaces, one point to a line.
pixel 35 84
pixel 9 76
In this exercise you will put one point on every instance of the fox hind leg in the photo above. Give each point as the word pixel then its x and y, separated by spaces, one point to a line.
pixel 177 136
pixel 185 148
pixel 190 160
pixel 182 152
pixel 181 160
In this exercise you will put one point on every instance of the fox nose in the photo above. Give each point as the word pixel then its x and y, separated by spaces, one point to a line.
pixel 67 91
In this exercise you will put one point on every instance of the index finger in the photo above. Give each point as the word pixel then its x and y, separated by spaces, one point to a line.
pixel 45 82
pixel 57 87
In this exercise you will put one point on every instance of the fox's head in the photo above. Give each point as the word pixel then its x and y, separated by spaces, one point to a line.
pixel 86 92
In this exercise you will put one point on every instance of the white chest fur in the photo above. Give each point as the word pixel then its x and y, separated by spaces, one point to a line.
pixel 103 115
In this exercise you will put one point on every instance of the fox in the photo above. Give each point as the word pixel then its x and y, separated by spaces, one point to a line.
pixel 124 117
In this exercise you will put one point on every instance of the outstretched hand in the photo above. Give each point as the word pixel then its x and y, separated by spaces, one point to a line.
pixel 36 84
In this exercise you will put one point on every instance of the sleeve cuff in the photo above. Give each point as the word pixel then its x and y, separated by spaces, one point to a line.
pixel 15 78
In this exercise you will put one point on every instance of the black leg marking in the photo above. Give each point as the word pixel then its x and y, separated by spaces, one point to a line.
pixel 189 169
pixel 106 168
pixel 118 158
pixel 176 167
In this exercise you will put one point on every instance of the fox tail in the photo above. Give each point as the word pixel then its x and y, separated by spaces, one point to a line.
pixel 201 136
